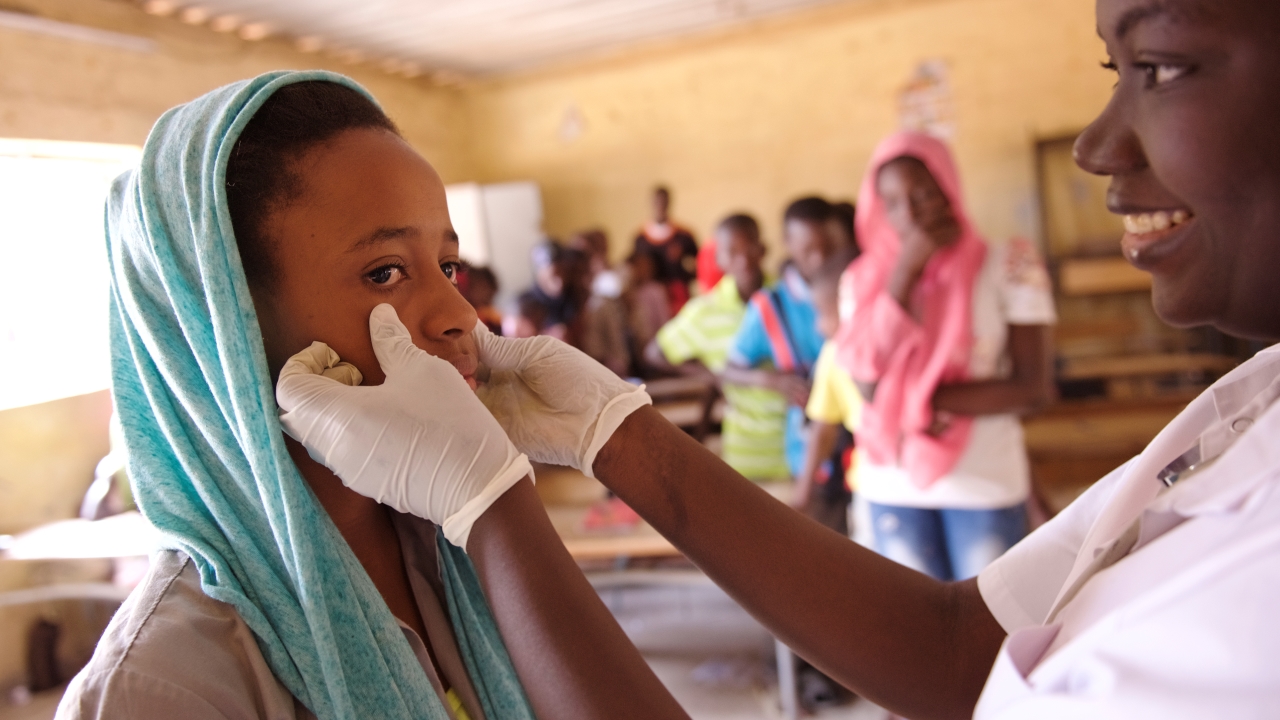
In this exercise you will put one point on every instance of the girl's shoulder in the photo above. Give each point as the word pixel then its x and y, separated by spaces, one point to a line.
pixel 172 651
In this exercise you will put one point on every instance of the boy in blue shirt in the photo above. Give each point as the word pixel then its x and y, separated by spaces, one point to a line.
pixel 778 343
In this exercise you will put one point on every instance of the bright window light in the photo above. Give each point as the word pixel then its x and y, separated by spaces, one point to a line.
pixel 53 267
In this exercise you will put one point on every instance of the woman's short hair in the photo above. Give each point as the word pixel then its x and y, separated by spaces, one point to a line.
pixel 259 176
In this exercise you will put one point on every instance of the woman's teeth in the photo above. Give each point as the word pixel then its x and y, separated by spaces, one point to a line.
pixel 1143 223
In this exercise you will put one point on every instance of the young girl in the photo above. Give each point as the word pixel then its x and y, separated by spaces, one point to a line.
pixel 265 215
pixel 948 339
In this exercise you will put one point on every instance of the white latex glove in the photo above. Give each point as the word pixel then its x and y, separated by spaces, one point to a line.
pixel 420 442
pixel 556 403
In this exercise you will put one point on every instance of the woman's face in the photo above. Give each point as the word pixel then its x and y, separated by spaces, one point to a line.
pixel 369 226
pixel 1191 140
pixel 915 203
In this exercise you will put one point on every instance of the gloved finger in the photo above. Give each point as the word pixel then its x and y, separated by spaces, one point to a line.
pixel 298 388
pixel 320 359
pixel 392 344
pixel 300 395
pixel 504 353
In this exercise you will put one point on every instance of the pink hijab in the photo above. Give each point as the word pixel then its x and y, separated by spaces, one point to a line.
pixel 882 343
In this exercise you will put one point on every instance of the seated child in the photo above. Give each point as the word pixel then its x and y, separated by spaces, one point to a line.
pixel 604 333
pixel 481 286
pixel 648 304
pixel 552 305
pixel 778 343
pixel 696 342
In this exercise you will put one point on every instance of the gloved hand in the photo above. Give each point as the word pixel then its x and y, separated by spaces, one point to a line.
pixel 420 442
pixel 556 403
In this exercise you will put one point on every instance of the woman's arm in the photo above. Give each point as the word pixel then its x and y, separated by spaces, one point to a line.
pixel 572 658
pixel 917 646
pixel 1029 387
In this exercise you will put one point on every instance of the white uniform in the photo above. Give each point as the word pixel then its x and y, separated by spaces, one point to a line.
pixel 1188 623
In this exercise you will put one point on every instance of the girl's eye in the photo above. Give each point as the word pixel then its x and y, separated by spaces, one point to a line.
pixel 451 270
pixel 386 274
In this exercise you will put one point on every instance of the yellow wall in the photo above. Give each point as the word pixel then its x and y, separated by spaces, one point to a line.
pixel 55 89
pixel 755 118
pixel 746 120
pixel 48 453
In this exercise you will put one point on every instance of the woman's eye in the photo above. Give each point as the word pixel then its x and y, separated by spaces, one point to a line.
pixel 451 270
pixel 1166 73
pixel 1161 74
pixel 385 275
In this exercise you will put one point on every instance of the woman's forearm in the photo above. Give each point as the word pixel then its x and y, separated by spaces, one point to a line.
pixel 917 646
pixel 572 658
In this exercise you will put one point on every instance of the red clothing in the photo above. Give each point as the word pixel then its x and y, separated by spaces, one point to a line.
pixel 675 253
pixel 709 272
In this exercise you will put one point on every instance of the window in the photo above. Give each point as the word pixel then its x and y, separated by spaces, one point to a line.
pixel 53 267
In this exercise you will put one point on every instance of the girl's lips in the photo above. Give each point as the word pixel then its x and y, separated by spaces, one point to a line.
pixel 467 366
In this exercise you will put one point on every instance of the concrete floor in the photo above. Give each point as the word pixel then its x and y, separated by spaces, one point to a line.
pixel 713 657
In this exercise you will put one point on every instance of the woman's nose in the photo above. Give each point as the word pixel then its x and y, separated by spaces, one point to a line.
pixel 1108 146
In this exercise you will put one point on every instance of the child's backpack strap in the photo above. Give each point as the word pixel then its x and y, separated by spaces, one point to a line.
pixel 784 357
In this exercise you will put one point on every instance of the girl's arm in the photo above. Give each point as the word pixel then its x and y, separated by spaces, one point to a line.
pixel 1029 387
pixel 572 658
pixel 917 646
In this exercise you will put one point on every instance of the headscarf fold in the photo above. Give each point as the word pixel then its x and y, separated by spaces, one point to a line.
pixel 905 356
pixel 206 453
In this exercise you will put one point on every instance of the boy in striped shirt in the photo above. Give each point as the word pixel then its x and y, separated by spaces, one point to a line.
pixel 697 342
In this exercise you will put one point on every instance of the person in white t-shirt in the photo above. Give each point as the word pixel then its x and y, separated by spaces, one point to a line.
pixel 1152 596
pixel 948 339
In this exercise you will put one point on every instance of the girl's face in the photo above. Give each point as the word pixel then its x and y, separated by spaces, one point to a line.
pixel 914 202
pixel 368 226
pixel 1191 140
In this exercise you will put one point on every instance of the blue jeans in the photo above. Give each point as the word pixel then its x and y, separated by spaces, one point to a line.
pixel 946 544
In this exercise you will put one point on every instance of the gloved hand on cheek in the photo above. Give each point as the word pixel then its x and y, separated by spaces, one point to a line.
pixel 421 442
pixel 556 403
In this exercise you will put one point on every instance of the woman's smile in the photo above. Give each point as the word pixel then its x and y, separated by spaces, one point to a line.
pixel 1153 236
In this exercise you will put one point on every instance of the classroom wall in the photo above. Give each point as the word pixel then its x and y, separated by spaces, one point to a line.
pixel 48 453
pixel 747 119
pixel 757 117
pixel 56 89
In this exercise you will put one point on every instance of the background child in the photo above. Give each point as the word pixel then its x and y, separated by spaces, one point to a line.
pixel 778 342
pixel 697 341
pixel 479 286
pixel 672 247
pixel 648 305
pixel 833 410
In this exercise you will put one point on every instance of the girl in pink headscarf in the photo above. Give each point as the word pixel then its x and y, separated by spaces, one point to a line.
pixel 947 339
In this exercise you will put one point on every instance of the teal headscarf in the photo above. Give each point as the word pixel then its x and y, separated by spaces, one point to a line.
pixel 207 457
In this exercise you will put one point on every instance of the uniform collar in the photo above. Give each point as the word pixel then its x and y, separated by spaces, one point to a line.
pixel 1242 446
